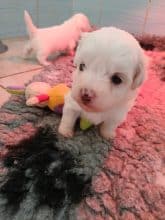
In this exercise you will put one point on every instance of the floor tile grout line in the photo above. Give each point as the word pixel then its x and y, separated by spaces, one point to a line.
pixel 35 69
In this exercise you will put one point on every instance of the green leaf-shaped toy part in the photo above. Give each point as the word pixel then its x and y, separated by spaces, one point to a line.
pixel 85 124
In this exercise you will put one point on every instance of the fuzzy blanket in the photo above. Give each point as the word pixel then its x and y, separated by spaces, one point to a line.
pixel 45 176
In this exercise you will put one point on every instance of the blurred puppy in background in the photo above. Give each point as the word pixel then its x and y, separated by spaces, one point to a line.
pixel 61 38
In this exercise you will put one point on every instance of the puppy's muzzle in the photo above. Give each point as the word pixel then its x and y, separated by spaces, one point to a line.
pixel 87 96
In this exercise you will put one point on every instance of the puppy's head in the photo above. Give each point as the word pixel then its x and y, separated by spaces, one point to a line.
pixel 81 22
pixel 110 66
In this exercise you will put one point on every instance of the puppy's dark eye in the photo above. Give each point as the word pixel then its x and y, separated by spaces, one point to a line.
pixel 115 79
pixel 81 66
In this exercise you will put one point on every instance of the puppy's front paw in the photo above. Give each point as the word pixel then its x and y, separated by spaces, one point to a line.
pixel 42 59
pixel 107 134
pixel 65 131
pixel 44 63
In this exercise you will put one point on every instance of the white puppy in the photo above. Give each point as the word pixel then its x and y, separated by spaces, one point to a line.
pixel 64 37
pixel 110 69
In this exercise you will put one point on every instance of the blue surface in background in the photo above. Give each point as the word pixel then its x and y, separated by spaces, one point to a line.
pixel 126 14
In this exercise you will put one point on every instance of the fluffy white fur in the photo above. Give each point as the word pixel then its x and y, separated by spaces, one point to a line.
pixel 110 69
pixel 45 41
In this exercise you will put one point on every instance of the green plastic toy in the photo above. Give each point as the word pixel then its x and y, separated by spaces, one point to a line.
pixel 85 124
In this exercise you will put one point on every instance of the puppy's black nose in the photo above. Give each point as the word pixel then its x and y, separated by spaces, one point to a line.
pixel 86 98
pixel 86 95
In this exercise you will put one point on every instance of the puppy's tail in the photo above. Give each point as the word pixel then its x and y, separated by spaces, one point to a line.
pixel 31 28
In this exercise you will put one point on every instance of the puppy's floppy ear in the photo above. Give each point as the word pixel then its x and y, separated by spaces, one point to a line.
pixel 140 72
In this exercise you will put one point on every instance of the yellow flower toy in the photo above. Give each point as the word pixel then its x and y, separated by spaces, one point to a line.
pixel 41 94
pixel 53 97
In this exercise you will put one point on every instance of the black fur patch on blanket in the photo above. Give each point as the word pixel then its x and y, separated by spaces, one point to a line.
pixel 38 166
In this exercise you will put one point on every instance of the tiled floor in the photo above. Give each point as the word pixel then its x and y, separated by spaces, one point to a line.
pixel 15 71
